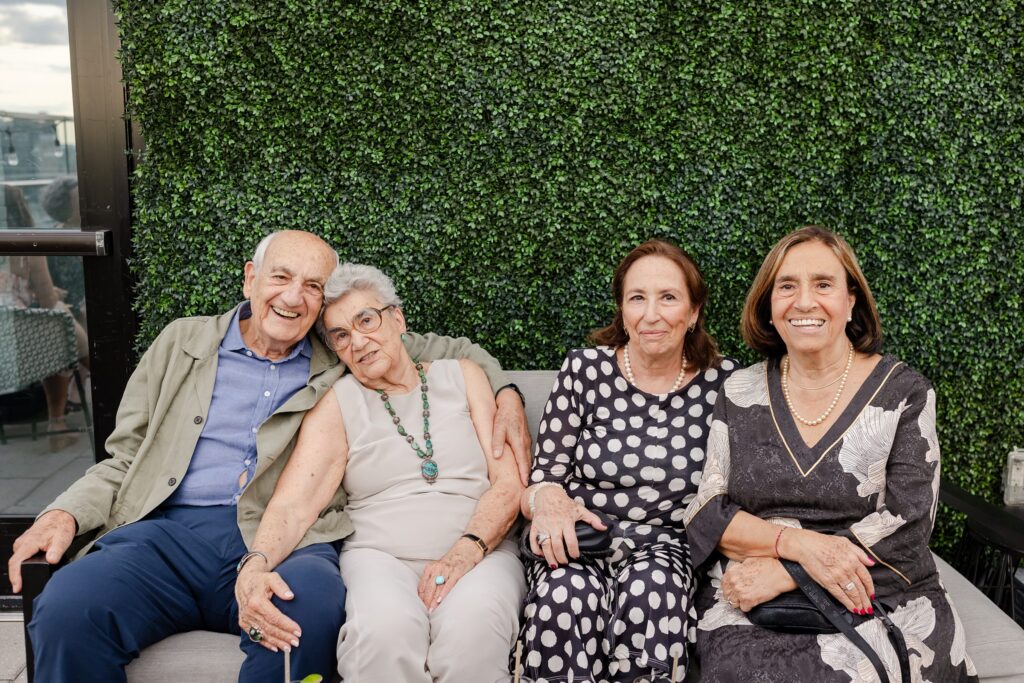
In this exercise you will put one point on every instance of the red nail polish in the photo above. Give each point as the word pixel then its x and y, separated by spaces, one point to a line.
pixel 553 566
pixel 871 610
pixel 872 596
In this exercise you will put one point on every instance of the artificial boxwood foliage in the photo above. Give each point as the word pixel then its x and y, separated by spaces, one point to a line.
pixel 498 158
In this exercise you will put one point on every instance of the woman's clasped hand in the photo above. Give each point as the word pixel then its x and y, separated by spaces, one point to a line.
pixel 832 561
pixel 836 564
pixel 553 533
pixel 440 576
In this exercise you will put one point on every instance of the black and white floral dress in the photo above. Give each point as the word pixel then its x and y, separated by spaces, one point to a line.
pixel 637 458
pixel 872 478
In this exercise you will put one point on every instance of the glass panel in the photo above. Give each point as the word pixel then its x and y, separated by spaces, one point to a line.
pixel 45 424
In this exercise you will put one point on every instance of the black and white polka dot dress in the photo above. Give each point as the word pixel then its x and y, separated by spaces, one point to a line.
pixel 636 457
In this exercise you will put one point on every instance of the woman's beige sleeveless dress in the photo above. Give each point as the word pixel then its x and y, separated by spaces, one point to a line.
pixel 402 523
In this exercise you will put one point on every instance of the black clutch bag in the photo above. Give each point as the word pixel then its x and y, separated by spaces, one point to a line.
pixel 792 612
pixel 592 542
pixel 811 609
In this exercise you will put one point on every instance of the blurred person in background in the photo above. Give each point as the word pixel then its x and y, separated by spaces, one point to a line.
pixel 25 282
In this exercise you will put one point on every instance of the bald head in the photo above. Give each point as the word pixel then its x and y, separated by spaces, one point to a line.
pixel 261 248
pixel 285 286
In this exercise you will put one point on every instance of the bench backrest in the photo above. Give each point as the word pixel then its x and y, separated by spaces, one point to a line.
pixel 536 385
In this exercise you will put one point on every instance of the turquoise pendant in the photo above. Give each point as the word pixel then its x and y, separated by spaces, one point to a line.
pixel 429 470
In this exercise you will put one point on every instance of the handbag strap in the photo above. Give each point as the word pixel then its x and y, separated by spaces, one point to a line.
pixel 820 599
pixel 898 642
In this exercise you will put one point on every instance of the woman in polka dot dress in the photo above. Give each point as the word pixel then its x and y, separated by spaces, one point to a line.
pixel 623 433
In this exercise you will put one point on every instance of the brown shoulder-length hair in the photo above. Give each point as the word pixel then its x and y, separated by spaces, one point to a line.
pixel 700 347
pixel 864 331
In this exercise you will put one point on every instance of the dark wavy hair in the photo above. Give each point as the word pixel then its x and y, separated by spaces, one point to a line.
pixel 700 347
pixel 864 331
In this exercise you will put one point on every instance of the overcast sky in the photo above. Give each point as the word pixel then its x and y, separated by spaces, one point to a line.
pixel 35 65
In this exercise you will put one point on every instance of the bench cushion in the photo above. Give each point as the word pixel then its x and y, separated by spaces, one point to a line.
pixel 193 656
pixel 994 641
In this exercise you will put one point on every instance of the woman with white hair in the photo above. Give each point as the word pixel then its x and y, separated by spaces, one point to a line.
pixel 433 587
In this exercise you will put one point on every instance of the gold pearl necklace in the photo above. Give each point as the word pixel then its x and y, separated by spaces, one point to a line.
pixel 792 383
pixel 835 399
pixel 632 380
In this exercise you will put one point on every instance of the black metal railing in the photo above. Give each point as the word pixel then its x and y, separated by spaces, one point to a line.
pixel 55 242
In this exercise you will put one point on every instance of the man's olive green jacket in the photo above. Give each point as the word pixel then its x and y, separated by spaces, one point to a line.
pixel 162 413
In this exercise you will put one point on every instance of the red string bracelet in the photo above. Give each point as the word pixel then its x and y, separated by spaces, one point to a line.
pixel 777 555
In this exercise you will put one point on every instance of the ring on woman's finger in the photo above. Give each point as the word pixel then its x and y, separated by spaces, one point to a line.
pixel 543 538
pixel 255 634
pixel 849 587
pixel 439 580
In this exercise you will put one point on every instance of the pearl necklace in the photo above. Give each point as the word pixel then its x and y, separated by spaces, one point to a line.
pixel 835 399
pixel 632 380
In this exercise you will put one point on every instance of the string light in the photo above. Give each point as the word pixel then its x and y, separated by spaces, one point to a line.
pixel 58 149
pixel 12 156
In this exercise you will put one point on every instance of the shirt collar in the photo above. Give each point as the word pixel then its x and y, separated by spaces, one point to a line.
pixel 233 339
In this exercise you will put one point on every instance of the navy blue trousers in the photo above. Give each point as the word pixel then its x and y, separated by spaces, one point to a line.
pixel 172 572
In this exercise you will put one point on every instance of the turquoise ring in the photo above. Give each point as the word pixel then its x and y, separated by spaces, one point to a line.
pixel 439 580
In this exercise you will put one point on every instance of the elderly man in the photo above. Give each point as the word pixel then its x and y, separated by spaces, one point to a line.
pixel 204 429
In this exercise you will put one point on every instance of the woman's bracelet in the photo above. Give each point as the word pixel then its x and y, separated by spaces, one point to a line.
pixel 777 537
pixel 479 542
pixel 531 501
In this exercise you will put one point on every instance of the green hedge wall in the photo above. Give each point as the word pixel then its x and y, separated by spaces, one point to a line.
pixel 498 158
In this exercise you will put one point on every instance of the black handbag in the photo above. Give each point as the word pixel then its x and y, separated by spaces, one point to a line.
pixel 593 542
pixel 810 609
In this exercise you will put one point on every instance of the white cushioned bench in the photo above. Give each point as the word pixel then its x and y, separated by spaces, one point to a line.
pixel 994 641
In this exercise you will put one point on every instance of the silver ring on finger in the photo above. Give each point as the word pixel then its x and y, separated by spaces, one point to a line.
pixel 255 634
pixel 849 587
pixel 543 538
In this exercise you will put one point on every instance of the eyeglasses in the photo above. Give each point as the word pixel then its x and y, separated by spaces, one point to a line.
pixel 365 321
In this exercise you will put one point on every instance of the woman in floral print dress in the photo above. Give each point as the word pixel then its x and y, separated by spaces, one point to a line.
pixel 826 454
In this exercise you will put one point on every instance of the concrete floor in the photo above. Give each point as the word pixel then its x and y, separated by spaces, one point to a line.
pixel 34 472
pixel 12 652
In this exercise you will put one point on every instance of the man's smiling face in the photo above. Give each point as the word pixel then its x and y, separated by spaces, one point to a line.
pixel 286 292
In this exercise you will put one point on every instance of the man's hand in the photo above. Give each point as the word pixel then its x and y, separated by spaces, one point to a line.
pixel 253 590
pixel 511 432
pixel 53 532
pixel 756 580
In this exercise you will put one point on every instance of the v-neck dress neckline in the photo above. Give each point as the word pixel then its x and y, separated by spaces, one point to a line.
pixel 807 458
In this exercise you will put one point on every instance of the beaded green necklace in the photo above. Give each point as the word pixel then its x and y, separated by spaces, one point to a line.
pixel 428 468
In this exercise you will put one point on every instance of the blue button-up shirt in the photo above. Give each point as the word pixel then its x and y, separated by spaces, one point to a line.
pixel 247 390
